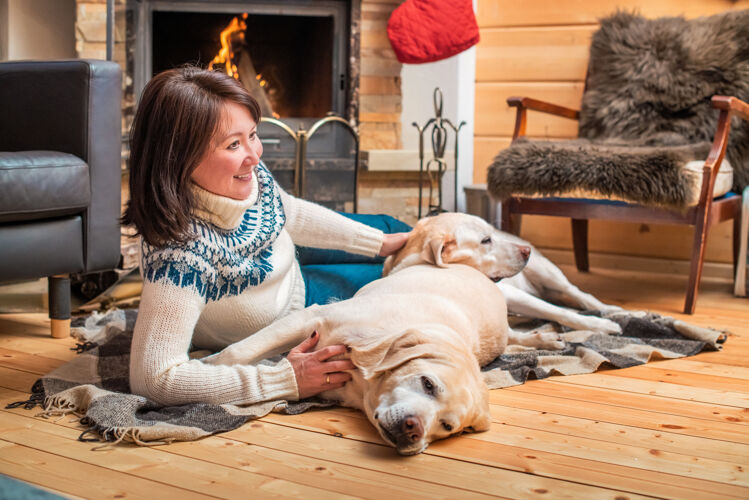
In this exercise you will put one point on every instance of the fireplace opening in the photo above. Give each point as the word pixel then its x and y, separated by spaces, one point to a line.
pixel 285 61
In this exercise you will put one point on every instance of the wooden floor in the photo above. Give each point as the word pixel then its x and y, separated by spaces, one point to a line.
pixel 674 429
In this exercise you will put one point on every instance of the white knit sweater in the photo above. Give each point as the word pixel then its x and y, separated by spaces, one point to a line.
pixel 237 277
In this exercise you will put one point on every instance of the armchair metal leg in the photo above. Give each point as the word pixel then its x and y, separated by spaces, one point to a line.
pixel 580 243
pixel 59 305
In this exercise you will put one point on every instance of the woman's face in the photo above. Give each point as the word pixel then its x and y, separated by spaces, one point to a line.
pixel 234 151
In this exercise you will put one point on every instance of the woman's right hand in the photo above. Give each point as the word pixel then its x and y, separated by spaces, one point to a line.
pixel 314 373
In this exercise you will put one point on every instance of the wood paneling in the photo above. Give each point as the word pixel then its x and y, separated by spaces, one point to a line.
pixel 493 117
pixel 534 54
pixel 380 84
pixel 502 13
pixel 484 151
pixel 662 241
pixel 369 85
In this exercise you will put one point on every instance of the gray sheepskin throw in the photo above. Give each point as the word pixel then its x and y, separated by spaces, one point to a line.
pixel 645 113
pixel 95 384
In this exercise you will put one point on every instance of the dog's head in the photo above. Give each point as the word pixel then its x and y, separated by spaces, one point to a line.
pixel 423 385
pixel 456 238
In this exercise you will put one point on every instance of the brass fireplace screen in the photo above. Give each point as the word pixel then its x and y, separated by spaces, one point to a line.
pixel 301 138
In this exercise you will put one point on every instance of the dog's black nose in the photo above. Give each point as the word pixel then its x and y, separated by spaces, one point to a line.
pixel 412 428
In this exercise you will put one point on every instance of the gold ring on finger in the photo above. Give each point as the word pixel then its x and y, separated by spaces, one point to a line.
pixel 327 379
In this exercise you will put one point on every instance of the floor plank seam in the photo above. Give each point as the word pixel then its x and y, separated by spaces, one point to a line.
pixel 104 467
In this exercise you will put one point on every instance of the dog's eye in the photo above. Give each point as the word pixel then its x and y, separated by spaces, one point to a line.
pixel 447 426
pixel 428 386
pixel 486 240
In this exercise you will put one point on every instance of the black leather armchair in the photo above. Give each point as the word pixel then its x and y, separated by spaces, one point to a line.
pixel 60 144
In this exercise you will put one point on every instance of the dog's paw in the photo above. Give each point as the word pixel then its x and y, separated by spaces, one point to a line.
pixel 601 325
pixel 610 309
pixel 546 340
pixel 551 341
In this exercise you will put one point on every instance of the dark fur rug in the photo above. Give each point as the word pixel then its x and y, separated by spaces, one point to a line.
pixel 645 113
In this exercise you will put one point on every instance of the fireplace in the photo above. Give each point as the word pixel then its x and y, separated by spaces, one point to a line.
pixel 292 55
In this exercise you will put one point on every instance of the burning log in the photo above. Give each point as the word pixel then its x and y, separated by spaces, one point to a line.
pixel 249 79
pixel 231 37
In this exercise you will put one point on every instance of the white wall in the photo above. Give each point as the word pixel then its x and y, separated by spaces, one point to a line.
pixel 37 29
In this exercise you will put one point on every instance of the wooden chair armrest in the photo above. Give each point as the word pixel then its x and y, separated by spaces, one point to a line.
pixel 543 106
pixel 525 103
pixel 728 105
pixel 733 104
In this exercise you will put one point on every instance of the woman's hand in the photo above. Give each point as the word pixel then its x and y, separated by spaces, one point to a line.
pixel 314 374
pixel 391 243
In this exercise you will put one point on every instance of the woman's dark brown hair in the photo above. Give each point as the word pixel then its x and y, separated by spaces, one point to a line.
pixel 178 114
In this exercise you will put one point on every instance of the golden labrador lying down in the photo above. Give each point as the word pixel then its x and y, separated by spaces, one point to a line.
pixel 454 238
pixel 417 337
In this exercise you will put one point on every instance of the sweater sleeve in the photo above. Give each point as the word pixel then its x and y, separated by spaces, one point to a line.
pixel 161 370
pixel 312 225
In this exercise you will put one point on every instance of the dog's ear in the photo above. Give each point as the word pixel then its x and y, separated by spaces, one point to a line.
pixel 481 423
pixel 436 247
pixel 387 266
pixel 390 352
pixel 482 418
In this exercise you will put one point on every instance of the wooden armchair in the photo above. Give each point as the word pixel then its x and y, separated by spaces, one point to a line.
pixel 556 200
pixel 702 216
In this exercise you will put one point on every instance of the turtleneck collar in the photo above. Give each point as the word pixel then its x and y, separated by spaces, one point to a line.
pixel 221 211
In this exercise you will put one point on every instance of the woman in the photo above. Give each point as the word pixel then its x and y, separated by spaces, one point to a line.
pixel 218 247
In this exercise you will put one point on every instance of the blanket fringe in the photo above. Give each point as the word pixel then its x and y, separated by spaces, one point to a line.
pixel 57 406
pixel 35 399
pixel 83 346
pixel 112 436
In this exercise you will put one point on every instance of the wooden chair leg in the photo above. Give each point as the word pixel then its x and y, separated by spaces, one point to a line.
pixel 510 221
pixel 695 269
pixel 736 242
pixel 580 243
pixel 59 305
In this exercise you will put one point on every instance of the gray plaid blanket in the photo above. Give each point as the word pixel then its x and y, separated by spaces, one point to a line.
pixel 95 384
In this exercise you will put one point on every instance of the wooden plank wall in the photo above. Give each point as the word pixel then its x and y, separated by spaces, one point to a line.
pixel 540 49
pixel 380 98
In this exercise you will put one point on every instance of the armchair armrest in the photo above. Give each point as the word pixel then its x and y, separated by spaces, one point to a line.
pixel 728 105
pixel 525 103
pixel 734 105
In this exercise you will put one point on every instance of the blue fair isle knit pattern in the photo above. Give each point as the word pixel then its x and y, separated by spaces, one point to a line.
pixel 222 262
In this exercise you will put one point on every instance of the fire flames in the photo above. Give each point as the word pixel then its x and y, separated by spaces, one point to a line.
pixel 234 33
pixel 225 56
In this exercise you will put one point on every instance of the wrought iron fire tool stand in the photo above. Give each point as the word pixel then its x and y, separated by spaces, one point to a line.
pixel 302 137
pixel 439 143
